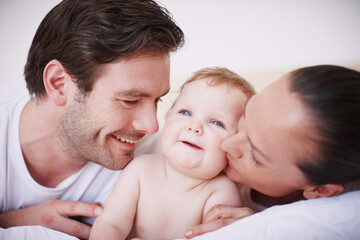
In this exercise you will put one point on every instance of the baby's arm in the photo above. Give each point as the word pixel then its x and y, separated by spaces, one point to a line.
pixel 116 220
pixel 222 208
pixel 225 192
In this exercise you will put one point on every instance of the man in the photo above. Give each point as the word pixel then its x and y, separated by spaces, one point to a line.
pixel 96 71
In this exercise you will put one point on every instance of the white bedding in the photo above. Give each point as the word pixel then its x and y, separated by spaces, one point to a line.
pixel 324 218
pixel 331 218
pixel 33 233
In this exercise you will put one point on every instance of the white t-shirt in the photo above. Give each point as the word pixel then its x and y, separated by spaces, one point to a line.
pixel 18 189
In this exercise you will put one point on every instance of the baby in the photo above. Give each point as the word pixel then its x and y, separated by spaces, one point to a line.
pixel 160 196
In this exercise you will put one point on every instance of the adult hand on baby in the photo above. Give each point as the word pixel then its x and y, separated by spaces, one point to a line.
pixel 54 214
pixel 218 217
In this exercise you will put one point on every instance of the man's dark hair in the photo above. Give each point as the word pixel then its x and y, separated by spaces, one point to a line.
pixel 83 34
pixel 332 96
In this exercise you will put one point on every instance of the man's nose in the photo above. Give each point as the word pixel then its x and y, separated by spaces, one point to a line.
pixel 146 121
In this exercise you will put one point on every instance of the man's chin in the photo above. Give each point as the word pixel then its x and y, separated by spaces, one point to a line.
pixel 120 162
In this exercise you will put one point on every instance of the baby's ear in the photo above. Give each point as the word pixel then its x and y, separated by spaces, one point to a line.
pixel 55 80
pixel 326 190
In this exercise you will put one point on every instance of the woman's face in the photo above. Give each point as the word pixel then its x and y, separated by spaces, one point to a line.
pixel 273 133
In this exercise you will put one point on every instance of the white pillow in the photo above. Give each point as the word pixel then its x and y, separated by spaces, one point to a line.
pixel 336 217
pixel 33 233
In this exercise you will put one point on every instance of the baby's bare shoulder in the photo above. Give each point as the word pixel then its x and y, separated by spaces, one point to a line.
pixel 223 184
pixel 146 163
pixel 223 192
pixel 222 180
pixel 146 159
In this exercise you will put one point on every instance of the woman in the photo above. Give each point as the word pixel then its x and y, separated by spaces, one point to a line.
pixel 298 138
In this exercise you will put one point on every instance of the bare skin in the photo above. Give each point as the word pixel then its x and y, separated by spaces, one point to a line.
pixel 161 196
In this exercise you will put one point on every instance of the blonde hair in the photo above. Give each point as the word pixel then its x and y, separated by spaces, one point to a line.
pixel 219 76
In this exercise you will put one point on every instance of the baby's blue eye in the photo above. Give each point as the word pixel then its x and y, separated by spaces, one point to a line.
pixel 185 112
pixel 217 123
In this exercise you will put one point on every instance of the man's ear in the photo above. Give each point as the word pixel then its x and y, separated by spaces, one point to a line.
pixel 327 190
pixel 55 79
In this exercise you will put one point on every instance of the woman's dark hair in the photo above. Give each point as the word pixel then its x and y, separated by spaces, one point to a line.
pixel 332 96
pixel 83 34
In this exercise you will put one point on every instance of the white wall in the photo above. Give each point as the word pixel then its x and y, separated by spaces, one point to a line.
pixel 259 39
pixel 266 35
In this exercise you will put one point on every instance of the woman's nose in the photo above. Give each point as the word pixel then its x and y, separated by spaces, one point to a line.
pixel 232 145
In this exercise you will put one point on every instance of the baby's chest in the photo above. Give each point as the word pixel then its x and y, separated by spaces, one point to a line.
pixel 168 215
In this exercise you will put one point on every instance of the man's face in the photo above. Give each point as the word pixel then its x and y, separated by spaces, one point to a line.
pixel 202 117
pixel 105 125
pixel 273 134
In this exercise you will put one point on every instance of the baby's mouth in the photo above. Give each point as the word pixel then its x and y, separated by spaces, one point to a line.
pixel 192 145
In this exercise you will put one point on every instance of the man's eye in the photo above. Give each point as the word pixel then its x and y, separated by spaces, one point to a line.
pixel 218 123
pixel 185 112
pixel 130 102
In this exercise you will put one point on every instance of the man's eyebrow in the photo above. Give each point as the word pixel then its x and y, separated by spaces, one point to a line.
pixel 131 93
pixel 136 93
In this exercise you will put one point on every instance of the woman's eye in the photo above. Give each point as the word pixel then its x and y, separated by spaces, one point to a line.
pixel 218 123
pixel 256 162
pixel 185 112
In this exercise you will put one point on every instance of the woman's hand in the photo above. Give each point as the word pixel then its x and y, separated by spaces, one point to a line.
pixel 218 217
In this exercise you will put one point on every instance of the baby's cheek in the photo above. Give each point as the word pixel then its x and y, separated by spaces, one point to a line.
pixel 222 155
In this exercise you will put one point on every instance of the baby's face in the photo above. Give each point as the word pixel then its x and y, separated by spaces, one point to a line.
pixel 200 120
